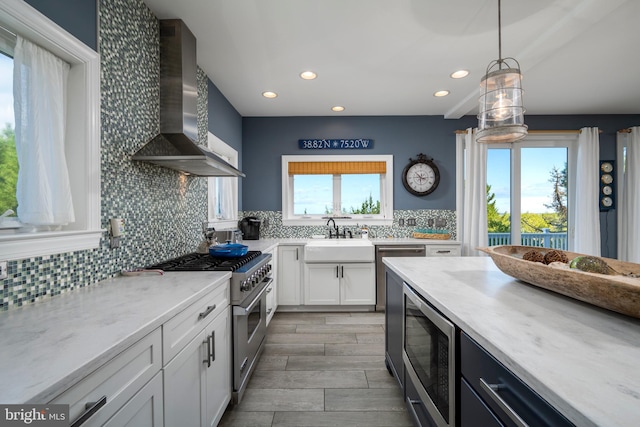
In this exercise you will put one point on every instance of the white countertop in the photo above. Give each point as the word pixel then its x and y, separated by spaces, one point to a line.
pixel 583 360
pixel 49 346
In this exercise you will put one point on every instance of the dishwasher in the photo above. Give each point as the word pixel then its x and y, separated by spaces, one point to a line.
pixel 391 251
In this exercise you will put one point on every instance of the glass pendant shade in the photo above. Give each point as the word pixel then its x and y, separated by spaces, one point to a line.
pixel 501 116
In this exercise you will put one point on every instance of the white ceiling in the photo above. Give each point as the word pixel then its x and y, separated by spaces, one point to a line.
pixel 388 57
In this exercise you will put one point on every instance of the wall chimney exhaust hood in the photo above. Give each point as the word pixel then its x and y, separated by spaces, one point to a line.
pixel 175 148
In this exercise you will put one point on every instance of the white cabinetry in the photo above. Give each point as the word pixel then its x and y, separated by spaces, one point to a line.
pixel 339 284
pixel 321 284
pixel 442 250
pixel 197 381
pixel 109 389
pixel 272 290
pixel 290 275
pixel 144 409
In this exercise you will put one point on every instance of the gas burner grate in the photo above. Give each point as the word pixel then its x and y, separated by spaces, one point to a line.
pixel 205 262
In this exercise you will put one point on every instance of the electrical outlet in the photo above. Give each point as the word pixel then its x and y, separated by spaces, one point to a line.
pixel 411 222
pixel 3 270
pixel 401 222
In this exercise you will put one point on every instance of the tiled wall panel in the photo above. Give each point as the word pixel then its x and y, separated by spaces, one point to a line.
pixel 272 226
pixel 162 208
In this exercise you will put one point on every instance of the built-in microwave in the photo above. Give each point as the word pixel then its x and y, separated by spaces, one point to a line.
pixel 429 362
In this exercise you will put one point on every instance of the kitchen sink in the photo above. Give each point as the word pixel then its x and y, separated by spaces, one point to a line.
pixel 339 250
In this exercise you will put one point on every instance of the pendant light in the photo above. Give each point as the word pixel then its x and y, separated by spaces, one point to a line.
pixel 501 115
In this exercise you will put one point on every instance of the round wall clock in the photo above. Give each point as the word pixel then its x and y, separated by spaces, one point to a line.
pixel 421 176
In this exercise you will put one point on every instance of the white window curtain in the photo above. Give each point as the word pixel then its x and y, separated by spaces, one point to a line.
pixel 39 91
pixel 226 198
pixel 629 199
pixel 474 206
pixel 585 210
pixel 222 195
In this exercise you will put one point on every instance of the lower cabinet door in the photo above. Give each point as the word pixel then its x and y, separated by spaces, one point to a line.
pixel 182 382
pixel 322 284
pixel 197 382
pixel 216 386
pixel 358 284
pixel 144 409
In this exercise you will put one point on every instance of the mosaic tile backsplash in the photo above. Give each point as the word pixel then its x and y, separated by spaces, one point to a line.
pixel 272 226
pixel 163 209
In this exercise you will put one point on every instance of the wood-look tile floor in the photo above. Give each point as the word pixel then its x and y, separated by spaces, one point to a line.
pixel 322 369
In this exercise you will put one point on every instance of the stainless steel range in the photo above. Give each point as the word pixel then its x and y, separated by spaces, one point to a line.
pixel 250 277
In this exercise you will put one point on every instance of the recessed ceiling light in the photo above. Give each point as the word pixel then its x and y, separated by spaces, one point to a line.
pixel 441 93
pixel 269 94
pixel 459 74
pixel 337 108
pixel 308 75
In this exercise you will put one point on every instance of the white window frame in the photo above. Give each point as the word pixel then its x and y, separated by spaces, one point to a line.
pixel 225 151
pixel 82 140
pixel 386 192
pixel 533 140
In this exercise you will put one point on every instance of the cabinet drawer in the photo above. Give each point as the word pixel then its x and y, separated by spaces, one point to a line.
pixel 442 250
pixel 474 412
pixel 144 409
pixel 502 391
pixel 182 328
pixel 118 380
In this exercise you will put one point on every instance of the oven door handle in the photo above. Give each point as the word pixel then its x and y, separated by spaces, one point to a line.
pixel 238 310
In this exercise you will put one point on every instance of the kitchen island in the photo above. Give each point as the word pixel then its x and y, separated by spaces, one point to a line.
pixel 583 360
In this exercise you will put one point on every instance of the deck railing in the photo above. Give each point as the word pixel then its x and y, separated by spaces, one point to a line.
pixel 544 240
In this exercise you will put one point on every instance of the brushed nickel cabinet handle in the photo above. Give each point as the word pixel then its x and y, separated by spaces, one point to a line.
pixel 208 359
pixel 206 312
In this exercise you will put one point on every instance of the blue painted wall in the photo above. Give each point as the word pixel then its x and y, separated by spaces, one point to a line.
pixel 265 139
pixel 79 17
pixel 224 121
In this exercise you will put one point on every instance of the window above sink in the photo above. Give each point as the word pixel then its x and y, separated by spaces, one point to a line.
pixel 350 188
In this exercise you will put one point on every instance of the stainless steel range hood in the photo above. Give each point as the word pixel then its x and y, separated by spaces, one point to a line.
pixel 175 148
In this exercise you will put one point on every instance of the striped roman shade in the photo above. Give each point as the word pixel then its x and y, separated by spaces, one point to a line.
pixel 333 168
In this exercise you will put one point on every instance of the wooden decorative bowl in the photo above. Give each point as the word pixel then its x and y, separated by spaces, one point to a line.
pixel 617 292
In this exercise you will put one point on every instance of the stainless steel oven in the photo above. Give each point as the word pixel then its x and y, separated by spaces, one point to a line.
pixel 250 279
pixel 429 348
pixel 249 332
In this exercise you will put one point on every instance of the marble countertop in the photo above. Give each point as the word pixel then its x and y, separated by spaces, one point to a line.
pixel 49 346
pixel 582 359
